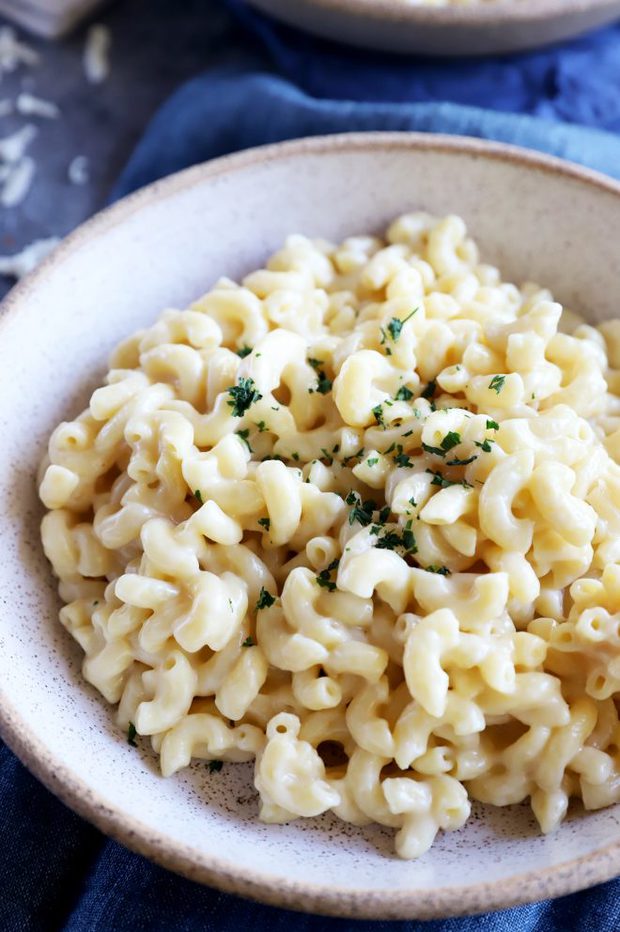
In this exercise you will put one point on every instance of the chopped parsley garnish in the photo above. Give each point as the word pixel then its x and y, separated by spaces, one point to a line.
pixel 323 579
pixel 198 495
pixel 444 483
pixel 262 427
pixel 384 514
pixel 413 502
pixel 389 541
pixel 457 462
pixel 131 735
pixel 361 511
pixel 336 448
pixel 265 522
pixel 429 391
pixel 395 325
pixel 403 394
pixel 242 396
pixel 492 425
pixel 401 459
pixel 265 599
pixel 497 383
pixel 243 435
pixel 435 451
pixel 409 538
pixel 378 413
pixel 394 329
pixel 390 449
pixel 354 456
pixel 440 570
pixel 451 440
pixel 295 456
pixel 372 460
pixel 215 766
pixel 392 540
pixel 485 446
pixel 244 351
pixel 249 641
pixel 324 385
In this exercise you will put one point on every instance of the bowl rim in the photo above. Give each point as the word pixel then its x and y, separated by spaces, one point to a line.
pixel 504 12
pixel 47 764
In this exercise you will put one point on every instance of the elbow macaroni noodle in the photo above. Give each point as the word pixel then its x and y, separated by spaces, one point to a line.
pixel 357 519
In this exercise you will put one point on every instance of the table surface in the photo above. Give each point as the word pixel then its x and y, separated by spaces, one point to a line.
pixel 154 48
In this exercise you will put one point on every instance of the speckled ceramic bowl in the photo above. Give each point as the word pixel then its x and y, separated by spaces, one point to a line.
pixel 485 28
pixel 535 216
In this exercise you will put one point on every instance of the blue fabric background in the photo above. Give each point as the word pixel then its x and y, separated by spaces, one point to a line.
pixel 56 871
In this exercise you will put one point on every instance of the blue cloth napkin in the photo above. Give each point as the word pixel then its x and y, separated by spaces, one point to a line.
pixel 56 871
pixel 577 82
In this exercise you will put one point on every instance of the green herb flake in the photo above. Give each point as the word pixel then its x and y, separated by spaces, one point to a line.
pixel 262 427
pixel 403 394
pixel 451 440
pixel 409 541
pixel 131 735
pixel 435 451
pixel 354 456
pixel 413 502
pixel 429 391
pixel 324 385
pixel 265 599
pixel 249 641
pixel 361 511
pixel 497 383
pixel 444 483
pixel 315 363
pixel 242 396
pixel 389 541
pixel 295 456
pixel 384 514
pixel 324 578
pixel 492 425
pixel 244 351
pixel 378 413
pixel 457 462
pixel 372 461
pixel 265 522
pixel 395 326
pixel 198 495
pixel 336 449
pixel 243 435
pixel 440 570
pixel 327 456
pixel 401 459
pixel 215 766
pixel 485 446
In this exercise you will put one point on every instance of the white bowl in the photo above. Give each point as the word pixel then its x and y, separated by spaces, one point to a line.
pixel 481 29
pixel 537 218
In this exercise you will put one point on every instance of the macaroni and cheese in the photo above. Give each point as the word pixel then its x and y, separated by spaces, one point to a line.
pixel 357 519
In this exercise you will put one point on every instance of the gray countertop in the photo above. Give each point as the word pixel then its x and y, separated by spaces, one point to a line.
pixel 156 45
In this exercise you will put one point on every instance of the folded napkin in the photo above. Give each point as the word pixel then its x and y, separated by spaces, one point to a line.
pixel 56 871
pixel 575 82
pixel 230 109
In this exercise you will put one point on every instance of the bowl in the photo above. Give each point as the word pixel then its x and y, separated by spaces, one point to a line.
pixel 537 218
pixel 404 26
